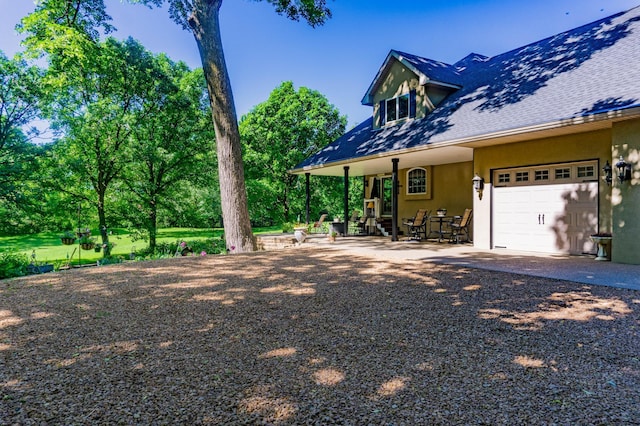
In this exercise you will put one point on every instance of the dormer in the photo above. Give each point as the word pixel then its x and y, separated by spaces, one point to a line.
pixel 408 87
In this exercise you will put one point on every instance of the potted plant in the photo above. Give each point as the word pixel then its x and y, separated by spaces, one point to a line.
pixel 300 231
pixel 86 242
pixel 36 267
pixel 603 240
pixel 68 238
pixel 332 236
pixel 83 232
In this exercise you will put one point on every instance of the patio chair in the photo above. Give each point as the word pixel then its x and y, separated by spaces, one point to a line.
pixel 320 226
pixel 417 227
pixel 460 226
pixel 361 225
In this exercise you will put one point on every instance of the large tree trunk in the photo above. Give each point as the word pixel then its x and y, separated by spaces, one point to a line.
pixel 153 225
pixel 102 224
pixel 205 25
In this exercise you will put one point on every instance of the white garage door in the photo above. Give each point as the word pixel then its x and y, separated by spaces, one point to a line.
pixel 550 209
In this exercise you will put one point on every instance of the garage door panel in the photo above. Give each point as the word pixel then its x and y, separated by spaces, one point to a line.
pixel 555 218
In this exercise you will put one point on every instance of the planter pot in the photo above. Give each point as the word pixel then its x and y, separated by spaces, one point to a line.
pixel 604 247
pixel 40 269
pixel 87 246
pixel 67 241
pixel 300 234
pixel 97 249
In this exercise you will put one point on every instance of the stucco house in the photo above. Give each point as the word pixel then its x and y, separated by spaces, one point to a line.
pixel 538 128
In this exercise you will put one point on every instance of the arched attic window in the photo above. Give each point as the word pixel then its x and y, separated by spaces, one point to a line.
pixel 416 181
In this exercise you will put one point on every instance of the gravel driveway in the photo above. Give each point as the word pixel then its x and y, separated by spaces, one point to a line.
pixel 315 337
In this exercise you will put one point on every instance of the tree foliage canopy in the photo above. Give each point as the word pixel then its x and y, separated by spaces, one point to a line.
pixel 118 109
pixel 278 134
pixel 20 92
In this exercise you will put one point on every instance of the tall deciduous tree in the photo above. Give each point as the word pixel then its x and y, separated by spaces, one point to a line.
pixel 278 134
pixel 173 145
pixel 83 92
pixel 106 96
pixel 20 91
pixel 201 17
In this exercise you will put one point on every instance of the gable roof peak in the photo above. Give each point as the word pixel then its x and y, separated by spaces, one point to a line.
pixel 470 60
pixel 427 70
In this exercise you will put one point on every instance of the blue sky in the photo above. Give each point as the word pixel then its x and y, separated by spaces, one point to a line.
pixel 341 58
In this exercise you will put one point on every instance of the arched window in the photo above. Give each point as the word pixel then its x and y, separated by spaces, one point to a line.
pixel 417 181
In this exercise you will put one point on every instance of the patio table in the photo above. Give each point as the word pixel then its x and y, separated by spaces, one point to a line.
pixel 441 220
pixel 337 227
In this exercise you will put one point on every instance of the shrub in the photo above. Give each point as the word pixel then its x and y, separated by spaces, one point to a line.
pixel 13 265
pixel 109 260
pixel 209 246
pixel 163 250
pixel 287 227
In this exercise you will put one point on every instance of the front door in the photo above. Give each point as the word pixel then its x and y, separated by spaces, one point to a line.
pixel 387 194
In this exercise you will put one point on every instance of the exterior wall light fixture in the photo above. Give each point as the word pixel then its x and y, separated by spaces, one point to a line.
pixel 607 173
pixel 478 185
pixel 624 170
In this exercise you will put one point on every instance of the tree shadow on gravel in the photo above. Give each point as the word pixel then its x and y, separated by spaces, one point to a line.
pixel 313 337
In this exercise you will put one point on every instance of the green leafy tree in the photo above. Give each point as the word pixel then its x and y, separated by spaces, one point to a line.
pixel 55 20
pixel 202 18
pixel 278 134
pixel 172 147
pixel 105 97
pixel 20 91
pixel 94 94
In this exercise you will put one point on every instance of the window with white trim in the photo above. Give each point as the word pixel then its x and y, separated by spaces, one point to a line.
pixel 417 181
pixel 563 173
pixel 398 108
pixel 586 171
pixel 542 175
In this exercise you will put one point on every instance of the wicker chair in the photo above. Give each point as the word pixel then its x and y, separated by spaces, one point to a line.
pixel 417 227
pixel 460 226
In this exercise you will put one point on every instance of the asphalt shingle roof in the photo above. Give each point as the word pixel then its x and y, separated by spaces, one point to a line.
pixel 438 71
pixel 587 70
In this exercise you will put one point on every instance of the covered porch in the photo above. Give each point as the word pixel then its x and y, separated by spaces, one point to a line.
pixel 446 173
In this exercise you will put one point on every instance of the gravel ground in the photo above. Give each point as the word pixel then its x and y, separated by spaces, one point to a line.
pixel 315 337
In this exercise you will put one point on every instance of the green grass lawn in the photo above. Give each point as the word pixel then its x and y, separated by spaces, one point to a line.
pixel 49 249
